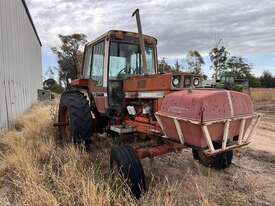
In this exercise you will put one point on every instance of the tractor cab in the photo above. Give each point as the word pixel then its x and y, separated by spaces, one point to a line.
pixel 114 57
pixel 113 64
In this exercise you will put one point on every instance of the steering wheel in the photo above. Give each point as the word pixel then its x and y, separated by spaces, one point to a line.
pixel 124 69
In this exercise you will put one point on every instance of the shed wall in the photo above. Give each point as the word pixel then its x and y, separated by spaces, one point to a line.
pixel 20 62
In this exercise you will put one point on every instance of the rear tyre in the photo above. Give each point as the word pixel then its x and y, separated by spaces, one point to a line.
pixel 125 160
pixel 75 114
pixel 219 161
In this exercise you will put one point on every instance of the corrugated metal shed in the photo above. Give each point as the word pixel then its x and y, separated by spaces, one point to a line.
pixel 20 61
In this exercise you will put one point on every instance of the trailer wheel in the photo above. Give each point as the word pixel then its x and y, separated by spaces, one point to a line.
pixel 223 160
pixel 195 153
pixel 219 161
pixel 125 160
pixel 74 112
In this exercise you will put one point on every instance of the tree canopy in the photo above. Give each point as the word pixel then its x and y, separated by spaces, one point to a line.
pixel 218 56
pixel 195 62
pixel 69 55
pixel 164 67
pixel 267 80
pixel 51 84
pixel 239 67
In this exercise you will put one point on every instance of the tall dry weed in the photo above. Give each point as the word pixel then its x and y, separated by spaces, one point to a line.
pixel 37 171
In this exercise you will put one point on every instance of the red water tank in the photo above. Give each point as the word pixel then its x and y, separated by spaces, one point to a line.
pixel 204 106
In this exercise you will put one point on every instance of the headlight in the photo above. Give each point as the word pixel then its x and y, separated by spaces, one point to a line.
pixel 196 82
pixel 176 82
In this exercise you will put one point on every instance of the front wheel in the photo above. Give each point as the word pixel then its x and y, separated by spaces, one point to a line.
pixel 125 162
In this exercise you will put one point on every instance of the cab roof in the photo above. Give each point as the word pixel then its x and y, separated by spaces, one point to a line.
pixel 120 34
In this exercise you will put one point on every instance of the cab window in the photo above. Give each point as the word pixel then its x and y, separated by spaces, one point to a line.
pixel 97 63
pixel 87 62
pixel 125 60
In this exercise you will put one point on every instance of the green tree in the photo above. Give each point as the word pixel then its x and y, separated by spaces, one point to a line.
pixel 177 66
pixel 51 84
pixel 195 62
pixel 57 88
pixel 254 81
pixel 218 56
pixel 164 67
pixel 205 77
pixel 267 80
pixel 70 56
pixel 239 67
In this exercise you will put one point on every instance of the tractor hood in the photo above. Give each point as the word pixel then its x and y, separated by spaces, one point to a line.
pixel 162 82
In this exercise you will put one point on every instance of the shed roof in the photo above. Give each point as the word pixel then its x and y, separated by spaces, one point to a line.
pixel 30 18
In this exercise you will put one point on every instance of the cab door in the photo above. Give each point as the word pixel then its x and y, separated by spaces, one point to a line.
pixel 96 64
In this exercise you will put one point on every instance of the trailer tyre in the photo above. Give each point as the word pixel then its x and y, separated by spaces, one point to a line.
pixel 219 161
pixel 223 160
pixel 129 167
pixel 195 153
pixel 74 112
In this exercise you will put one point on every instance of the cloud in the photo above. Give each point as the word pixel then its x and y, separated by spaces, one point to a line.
pixel 246 26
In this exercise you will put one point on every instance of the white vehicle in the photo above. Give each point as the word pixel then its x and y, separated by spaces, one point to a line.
pixel 211 83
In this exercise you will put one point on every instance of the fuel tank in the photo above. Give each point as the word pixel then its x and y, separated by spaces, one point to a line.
pixel 195 108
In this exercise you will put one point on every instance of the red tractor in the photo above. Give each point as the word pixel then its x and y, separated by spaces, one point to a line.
pixel 121 93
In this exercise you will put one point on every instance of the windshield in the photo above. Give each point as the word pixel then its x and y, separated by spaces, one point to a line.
pixel 125 60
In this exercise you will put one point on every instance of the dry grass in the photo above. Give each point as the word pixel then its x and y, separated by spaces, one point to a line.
pixel 34 170
pixel 262 94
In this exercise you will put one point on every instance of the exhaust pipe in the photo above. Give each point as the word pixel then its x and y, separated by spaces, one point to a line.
pixel 141 41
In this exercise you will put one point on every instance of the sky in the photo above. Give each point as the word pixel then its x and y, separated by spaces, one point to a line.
pixel 246 27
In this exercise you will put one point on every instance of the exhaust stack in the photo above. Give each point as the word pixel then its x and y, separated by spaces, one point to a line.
pixel 141 41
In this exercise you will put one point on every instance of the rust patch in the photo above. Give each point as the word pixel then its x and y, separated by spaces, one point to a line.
pixel 141 83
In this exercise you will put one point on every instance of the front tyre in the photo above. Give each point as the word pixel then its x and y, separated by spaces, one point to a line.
pixel 125 160
pixel 75 117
